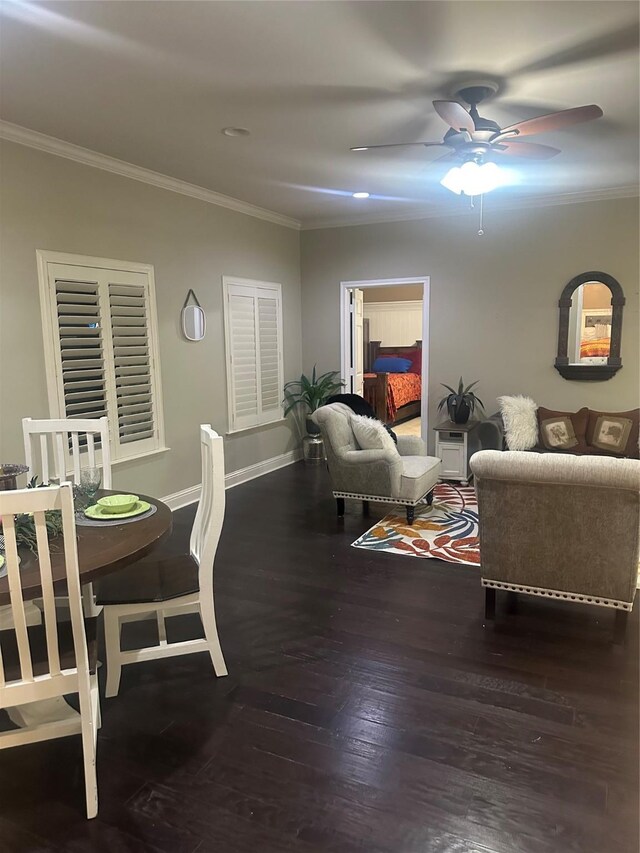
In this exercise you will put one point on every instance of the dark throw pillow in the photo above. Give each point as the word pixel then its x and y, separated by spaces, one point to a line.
pixel 563 430
pixel 615 432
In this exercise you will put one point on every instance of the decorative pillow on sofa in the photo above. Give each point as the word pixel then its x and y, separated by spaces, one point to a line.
pixel 389 364
pixel 563 430
pixel 615 432
pixel 370 434
pixel 520 422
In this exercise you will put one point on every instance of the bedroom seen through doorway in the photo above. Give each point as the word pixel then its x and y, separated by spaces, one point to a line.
pixel 385 349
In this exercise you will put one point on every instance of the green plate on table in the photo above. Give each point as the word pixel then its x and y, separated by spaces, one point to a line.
pixel 98 512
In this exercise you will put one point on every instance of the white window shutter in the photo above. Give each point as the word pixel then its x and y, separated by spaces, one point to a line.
pixel 101 348
pixel 243 360
pixel 81 366
pixel 271 391
pixel 134 405
pixel 253 323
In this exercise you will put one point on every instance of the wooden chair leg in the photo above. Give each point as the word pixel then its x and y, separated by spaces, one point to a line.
pixel 620 627
pixel 88 728
pixel 340 506
pixel 112 628
pixel 489 603
pixel 411 511
pixel 208 616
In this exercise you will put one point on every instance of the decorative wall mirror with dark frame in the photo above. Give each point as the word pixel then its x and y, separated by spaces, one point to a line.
pixel 590 327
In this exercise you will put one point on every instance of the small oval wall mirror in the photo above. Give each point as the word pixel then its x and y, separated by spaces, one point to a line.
pixel 590 327
pixel 194 322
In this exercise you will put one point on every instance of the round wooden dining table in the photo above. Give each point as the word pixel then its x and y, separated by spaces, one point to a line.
pixel 101 550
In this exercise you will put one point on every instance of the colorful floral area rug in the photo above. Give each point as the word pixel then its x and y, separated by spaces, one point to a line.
pixel 447 530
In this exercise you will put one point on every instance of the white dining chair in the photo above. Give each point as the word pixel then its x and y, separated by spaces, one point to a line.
pixel 163 587
pixel 55 448
pixel 57 658
pixel 59 448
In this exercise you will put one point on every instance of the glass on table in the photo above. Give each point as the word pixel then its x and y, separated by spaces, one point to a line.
pixel 90 479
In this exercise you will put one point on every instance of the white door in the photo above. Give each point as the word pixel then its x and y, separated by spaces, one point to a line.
pixel 357 338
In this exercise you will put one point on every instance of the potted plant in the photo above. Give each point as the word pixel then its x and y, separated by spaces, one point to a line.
pixel 310 393
pixel 462 403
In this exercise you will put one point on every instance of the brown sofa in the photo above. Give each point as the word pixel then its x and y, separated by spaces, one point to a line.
pixel 585 432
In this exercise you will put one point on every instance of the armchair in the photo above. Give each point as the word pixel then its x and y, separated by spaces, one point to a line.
pixel 559 526
pixel 405 476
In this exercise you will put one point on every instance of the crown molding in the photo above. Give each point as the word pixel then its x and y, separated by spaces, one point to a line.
pixel 523 203
pixel 60 148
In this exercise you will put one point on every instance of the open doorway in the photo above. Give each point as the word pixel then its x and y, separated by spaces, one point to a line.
pixel 385 348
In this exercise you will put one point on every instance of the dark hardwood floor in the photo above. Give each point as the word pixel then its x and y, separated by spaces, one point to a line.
pixel 368 709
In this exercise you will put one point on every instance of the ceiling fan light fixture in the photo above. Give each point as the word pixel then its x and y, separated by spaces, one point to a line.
pixel 473 178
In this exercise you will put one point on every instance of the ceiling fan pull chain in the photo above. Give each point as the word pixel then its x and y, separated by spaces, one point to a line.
pixel 481 229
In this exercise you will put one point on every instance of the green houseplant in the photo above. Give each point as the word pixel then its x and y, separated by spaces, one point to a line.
pixel 462 403
pixel 311 393
pixel 25 527
pixel 303 396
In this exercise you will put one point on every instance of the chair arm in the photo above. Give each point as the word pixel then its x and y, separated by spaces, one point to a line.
pixel 411 445
pixel 367 472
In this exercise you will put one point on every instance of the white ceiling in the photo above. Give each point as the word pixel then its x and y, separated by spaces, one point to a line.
pixel 153 83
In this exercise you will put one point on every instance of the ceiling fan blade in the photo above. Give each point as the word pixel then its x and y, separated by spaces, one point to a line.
pixel 609 45
pixel 401 145
pixel 455 115
pixel 532 150
pixel 553 121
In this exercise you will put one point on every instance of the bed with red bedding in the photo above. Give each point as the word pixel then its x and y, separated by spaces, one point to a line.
pixel 394 396
pixel 597 348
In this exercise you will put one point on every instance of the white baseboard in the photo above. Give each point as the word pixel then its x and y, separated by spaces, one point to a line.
pixel 179 499
pixel 258 469
pixel 234 478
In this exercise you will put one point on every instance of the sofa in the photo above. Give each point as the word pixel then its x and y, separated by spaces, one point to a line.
pixel 585 432
pixel 398 475
pixel 559 526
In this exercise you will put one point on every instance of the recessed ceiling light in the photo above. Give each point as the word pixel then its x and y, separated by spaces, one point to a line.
pixel 235 131
pixel 360 195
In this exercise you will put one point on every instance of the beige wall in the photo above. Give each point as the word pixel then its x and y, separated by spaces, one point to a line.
pixel 493 309
pixel 51 203
pixel 399 293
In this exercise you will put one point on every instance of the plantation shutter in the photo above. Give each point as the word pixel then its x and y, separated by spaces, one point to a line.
pixel 101 351
pixel 134 407
pixel 82 366
pixel 253 322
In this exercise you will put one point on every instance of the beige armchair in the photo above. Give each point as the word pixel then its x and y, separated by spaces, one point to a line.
pixel 405 476
pixel 559 526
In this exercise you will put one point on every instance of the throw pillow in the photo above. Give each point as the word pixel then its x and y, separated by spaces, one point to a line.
pixel 557 433
pixel 370 434
pixel 570 432
pixel 386 364
pixel 415 357
pixel 520 422
pixel 615 432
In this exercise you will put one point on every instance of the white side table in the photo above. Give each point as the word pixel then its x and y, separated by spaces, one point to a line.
pixel 455 445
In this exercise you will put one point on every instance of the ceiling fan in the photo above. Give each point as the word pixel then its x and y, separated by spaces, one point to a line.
pixel 473 139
